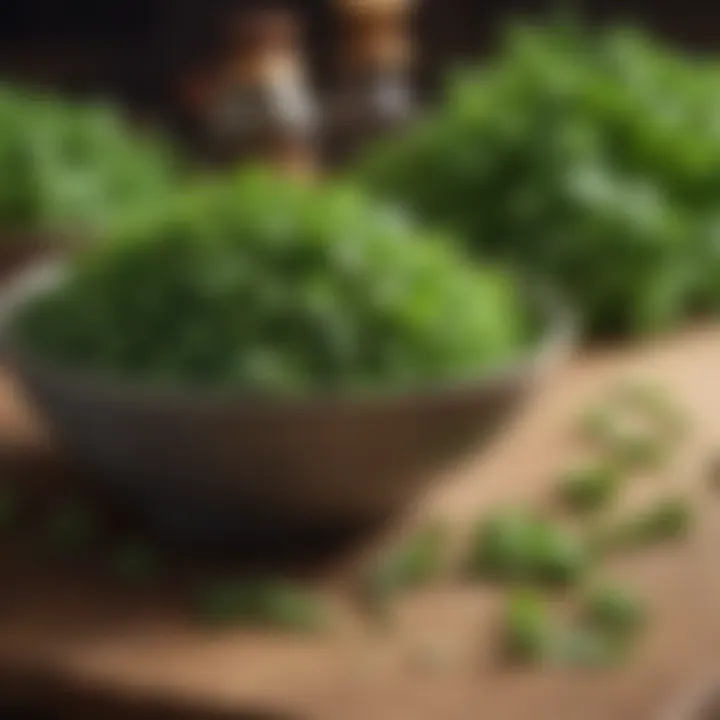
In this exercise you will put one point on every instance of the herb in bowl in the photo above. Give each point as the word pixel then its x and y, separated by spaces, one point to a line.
pixel 263 285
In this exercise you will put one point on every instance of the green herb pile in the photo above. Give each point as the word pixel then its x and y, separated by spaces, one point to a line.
pixel 73 167
pixel 591 158
pixel 264 284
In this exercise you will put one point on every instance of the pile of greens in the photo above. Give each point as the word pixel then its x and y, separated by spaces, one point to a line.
pixel 592 158
pixel 264 284
pixel 73 167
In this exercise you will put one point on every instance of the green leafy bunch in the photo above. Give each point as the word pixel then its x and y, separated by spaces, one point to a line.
pixel 591 157
pixel 71 167
pixel 265 284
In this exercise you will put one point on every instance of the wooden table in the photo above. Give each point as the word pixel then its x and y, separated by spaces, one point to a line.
pixel 81 641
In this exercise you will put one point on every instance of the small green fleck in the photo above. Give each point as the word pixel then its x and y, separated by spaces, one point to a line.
pixel 589 489
pixel 656 403
pixel 638 450
pixel 597 424
pixel 417 562
pixel 558 557
pixel 528 629
pixel 613 611
pixel 423 556
pixel 273 604
pixel 521 548
pixel 667 520
pixel 378 588
pixel 500 548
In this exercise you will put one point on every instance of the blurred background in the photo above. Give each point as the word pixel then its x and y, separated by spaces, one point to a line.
pixel 136 49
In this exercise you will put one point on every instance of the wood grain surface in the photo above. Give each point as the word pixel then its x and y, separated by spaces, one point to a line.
pixel 80 641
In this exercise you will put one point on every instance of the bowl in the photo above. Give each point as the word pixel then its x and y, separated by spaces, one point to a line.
pixel 213 464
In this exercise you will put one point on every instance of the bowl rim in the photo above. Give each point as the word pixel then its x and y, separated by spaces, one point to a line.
pixel 556 341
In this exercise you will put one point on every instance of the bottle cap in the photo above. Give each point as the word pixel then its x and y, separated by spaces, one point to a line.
pixel 264 49
pixel 262 31
pixel 377 40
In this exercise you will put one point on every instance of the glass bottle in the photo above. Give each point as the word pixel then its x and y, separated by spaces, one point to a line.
pixel 373 96
pixel 262 107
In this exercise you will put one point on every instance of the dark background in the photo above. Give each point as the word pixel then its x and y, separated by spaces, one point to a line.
pixel 133 49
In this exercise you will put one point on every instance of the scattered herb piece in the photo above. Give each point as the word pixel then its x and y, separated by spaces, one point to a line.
pixel 667 520
pixel 613 611
pixel 500 549
pixel 378 588
pixel 518 548
pixel 598 425
pixel 655 403
pixel 532 635
pixel 558 557
pixel 528 630
pixel 638 450
pixel 422 556
pixel 632 449
pixel 590 488
pixel 415 563
pixel 268 603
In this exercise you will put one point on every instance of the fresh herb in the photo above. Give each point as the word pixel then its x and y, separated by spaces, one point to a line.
pixel 72 167
pixel 266 285
pixel 589 156
pixel 589 489
pixel 533 635
pixel 614 611
pixel 519 548
pixel 559 558
pixel 667 520
pixel 415 563
pixel 273 604
pixel 501 548
pixel 656 404
pixel 529 630
pixel 598 425
pixel 638 450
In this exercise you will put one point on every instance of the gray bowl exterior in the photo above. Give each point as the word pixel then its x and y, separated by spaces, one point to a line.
pixel 332 459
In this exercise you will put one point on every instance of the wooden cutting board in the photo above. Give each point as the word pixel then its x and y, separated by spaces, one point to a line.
pixel 78 639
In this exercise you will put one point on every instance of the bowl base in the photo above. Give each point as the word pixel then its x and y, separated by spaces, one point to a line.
pixel 197 525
